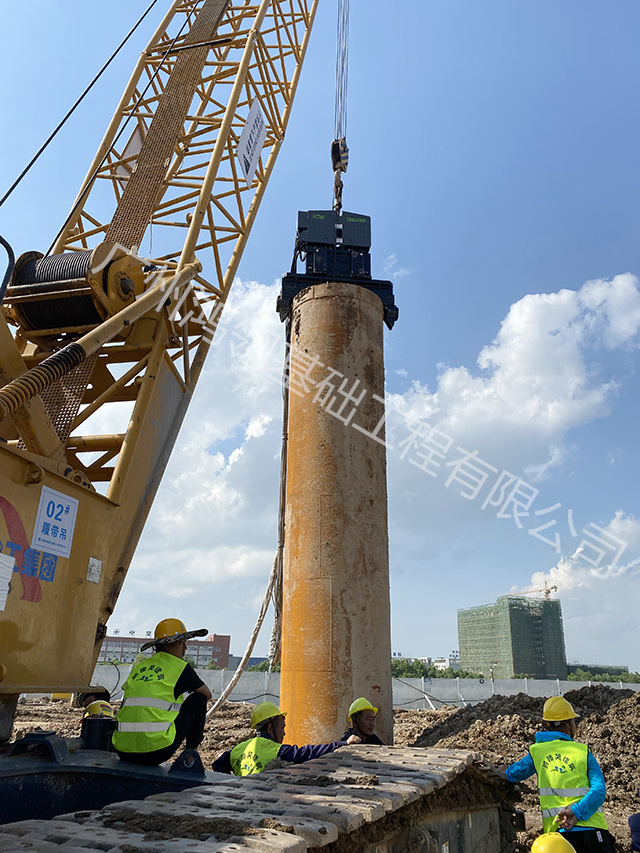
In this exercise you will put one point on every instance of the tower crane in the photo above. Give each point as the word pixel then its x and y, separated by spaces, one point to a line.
pixel 547 591
pixel 90 324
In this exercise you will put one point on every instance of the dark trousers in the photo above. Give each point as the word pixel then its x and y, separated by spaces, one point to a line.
pixel 189 727
pixel 591 841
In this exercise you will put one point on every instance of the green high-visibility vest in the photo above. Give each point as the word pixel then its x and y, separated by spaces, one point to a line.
pixel 561 766
pixel 149 708
pixel 253 755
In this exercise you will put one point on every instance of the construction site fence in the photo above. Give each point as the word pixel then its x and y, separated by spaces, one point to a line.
pixel 409 693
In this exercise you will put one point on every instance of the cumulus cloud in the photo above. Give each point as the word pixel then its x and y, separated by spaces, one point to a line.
pixel 538 379
pixel 600 602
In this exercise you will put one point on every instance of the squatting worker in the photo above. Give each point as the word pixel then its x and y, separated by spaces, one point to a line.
pixel 571 786
pixel 362 716
pixel 154 717
pixel 253 755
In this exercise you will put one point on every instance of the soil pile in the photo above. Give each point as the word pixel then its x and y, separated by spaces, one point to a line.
pixel 501 729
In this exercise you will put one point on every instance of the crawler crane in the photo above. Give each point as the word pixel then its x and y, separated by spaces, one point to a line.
pixel 89 324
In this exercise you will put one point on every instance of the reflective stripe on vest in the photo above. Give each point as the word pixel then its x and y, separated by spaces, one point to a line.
pixel 253 755
pixel 146 717
pixel 561 766
pixel 150 702
pixel 557 810
pixel 143 727
pixel 563 792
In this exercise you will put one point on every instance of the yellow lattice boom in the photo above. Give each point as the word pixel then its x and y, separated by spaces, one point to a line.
pixel 96 323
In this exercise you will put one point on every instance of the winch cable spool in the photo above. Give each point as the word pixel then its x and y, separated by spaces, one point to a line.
pixel 339 149
pixel 64 120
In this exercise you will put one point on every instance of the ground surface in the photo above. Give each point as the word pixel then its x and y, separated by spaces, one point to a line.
pixel 502 728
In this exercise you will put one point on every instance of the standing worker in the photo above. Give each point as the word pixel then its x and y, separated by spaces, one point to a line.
pixel 253 755
pixel 571 786
pixel 362 716
pixel 154 719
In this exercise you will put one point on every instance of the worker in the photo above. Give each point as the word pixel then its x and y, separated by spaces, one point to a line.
pixel 99 709
pixel 362 716
pixel 154 717
pixel 253 755
pixel 571 786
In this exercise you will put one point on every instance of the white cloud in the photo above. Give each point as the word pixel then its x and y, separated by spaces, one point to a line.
pixel 538 379
pixel 600 603
pixel 390 268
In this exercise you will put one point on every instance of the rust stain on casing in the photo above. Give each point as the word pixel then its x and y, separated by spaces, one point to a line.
pixel 336 637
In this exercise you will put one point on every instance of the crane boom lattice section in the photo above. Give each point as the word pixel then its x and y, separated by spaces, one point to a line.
pixel 183 114
pixel 174 174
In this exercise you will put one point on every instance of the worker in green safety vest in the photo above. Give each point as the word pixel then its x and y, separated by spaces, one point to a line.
pixel 571 786
pixel 154 718
pixel 253 755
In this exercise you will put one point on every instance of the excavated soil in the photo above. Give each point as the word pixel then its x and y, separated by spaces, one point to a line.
pixel 501 729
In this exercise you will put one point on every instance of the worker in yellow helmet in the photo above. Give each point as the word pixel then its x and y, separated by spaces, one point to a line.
pixel 362 716
pixel 571 786
pixel 154 718
pixel 99 709
pixel 254 754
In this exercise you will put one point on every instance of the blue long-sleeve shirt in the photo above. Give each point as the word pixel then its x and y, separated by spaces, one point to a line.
pixel 590 803
pixel 294 754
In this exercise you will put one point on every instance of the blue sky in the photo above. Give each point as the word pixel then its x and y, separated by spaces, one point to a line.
pixel 495 146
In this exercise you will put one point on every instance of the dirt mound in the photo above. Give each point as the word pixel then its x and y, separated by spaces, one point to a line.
pixel 503 728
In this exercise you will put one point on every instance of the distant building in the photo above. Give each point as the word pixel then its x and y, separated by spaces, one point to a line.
pixel 125 650
pixel 234 660
pixel 452 662
pixel 515 636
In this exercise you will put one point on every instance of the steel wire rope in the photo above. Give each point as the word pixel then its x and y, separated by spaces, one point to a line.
pixel 417 689
pixel 274 585
pixel 342 70
pixel 64 120
pixel 89 182
pixel 339 149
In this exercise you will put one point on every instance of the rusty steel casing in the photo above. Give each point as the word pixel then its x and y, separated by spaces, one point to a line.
pixel 336 612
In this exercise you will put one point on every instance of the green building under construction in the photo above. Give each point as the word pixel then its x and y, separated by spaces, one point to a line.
pixel 514 636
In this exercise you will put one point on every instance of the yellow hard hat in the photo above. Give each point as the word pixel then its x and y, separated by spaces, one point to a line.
pixel 265 711
pixel 99 709
pixel 551 842
pixel 360 704
pixel 558 709
pixel 170 631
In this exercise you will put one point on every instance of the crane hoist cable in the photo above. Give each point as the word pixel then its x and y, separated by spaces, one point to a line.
pixel 70 112
pixel 274 586
pixel 339 149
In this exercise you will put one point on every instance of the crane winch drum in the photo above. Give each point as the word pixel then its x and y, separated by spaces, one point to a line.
pixel 75 288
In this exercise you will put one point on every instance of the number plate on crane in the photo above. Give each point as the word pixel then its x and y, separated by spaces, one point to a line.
pixel 55 522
